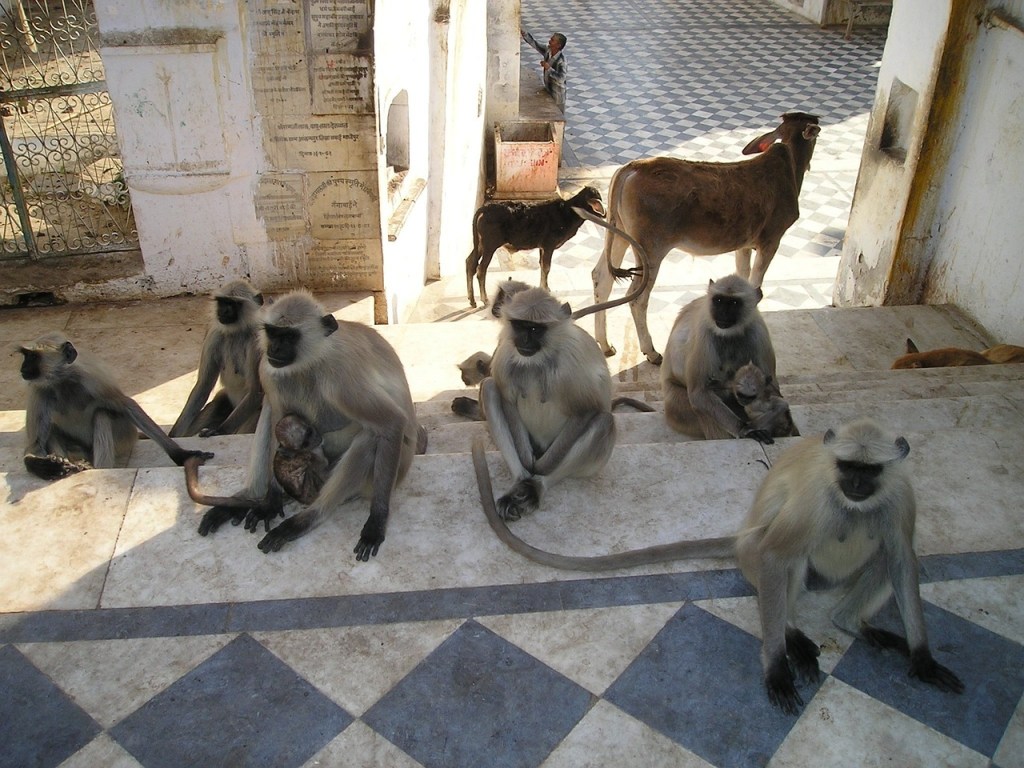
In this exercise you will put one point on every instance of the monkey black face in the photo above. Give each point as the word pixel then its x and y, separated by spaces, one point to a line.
pixel 857 480
pixel 30 368
pixel 32 365
pixel 228 310
pixel 726 310
pixel 528 337
pixel 282 345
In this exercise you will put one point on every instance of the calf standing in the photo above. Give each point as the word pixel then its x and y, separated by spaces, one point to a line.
pixel 521 226
pixel 705 209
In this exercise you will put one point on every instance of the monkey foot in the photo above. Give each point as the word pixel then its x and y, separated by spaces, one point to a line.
pixel 610 352
pixel 53 467
pixel 654 358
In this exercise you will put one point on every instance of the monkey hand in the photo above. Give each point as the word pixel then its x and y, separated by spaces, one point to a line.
pixel 208 432
pixel 928 670
pixel 370 539
pixel 782 692
pixel 761 435
pixel 53 467
pixel 287 531
pixel 523 498
pixel 215 517
pixel 263 513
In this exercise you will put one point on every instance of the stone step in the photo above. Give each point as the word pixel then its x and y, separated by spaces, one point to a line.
pixel 449 434
pixel 967 483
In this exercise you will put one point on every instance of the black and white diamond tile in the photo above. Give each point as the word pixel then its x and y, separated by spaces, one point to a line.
pixel 39 724
pixel 693 683
pixel 242 706
pixel 666 683
pixel 479 700
pixel 991 667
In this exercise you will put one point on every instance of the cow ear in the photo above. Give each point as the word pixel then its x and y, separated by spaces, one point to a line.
pixel 761 143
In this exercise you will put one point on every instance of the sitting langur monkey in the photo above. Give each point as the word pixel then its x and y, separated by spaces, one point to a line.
pixel 344 381
pixel 838 508
pixel 759 403
pixel 477 366
pixel 712 338
pixel 548 403
pixel 230 352
pixel 77 417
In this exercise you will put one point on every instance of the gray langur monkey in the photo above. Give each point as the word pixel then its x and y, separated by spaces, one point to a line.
pixel 712 337
pixel 477 366
pixel 548 401
pixel 231 353
pixel 346 382
pixel 838 509
pixel 758 401
pixel 77 417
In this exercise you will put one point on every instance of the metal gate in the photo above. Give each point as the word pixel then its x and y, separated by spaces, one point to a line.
pixel 62 186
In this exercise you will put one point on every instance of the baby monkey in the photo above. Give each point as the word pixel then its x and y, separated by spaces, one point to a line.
pixel 757 400
pixel 300 468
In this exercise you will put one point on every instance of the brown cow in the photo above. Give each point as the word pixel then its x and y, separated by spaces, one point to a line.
pixel 705 209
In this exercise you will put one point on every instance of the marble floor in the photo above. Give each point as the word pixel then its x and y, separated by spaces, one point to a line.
pixel 127 640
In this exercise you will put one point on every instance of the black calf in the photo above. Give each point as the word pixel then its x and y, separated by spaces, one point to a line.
pixel 520 226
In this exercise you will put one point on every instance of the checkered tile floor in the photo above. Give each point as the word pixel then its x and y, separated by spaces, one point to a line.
pixel 698 80
pixel 512 676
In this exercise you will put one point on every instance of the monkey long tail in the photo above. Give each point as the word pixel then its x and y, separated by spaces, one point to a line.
pixel 641 269
pixel 661 553
pixel 192 464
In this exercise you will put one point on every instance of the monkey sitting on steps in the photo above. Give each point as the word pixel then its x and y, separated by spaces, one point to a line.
pixel 548 401
pixel 231 353
pixel 713 337
pixel 348 383
pixel 839 508
pixel 77 417
pixel 477 366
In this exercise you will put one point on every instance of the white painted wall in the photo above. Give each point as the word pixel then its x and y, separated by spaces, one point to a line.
pixel 183 115
pixel 809 9
pixel 883 184
pixel 193 140
pixel 402 64
pixel 979 227
pixel 947 230
pixel 466 129
pixel 439 57
pixel 503 61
